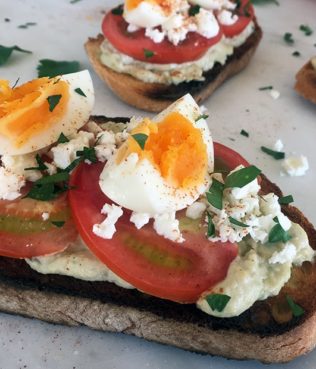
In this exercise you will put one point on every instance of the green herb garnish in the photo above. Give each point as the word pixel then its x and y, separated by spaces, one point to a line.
pixel 210 226
pixel 148 53
pixel 41 165
pixel 277 155
pixel 141 139
pixel 5 52
pixel 52 68
pixel 262 2
pixel 215 194
pixel 265 88
pixel 53 101
pixel 278 234
pixel 118 10
pixel 202 116
pixel 242 177
pixel 194 10
pixel 296 53
pixel 237 223
pixel 88 153
pixel 285 200
pixel 80 92
pixel 244 133
pixel 62 139
pixel 288 38
pixel 58 224
pixel 306 29
pixel 27 25
pixel 217 302
pixel 74 1
pixel 296 309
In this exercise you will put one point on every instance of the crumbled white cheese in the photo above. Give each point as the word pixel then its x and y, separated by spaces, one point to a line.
pixel 18 163
pixel 51 168
pixel 207 24
pixel 10 184
pixel 167 225
pixel 295 166
pixel 227 18
pixel 278 146
pixel 65 153
pixel 215 4
pixel 196 210
pixel 105 145
pixel 284 256
pixel 274 94
pixel 155 34
pixel 93 127
pixel 177 28
pixel 132 28
pixel 45 216
pixel 139 219
pixel 106 229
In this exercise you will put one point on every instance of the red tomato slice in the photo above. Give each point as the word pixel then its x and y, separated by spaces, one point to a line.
pixel 24 234
pixel 134 44
pixel 153 264
pixel 246 14
pixel 224 156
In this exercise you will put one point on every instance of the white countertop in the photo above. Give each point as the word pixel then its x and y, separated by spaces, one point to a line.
pixel 61 30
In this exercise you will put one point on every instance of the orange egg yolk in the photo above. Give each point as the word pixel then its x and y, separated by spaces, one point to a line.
pixel 165 5
pixel 174 147
pixel 25 110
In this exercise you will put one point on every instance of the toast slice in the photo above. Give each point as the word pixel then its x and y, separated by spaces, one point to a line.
pixel 267 331
pixel 156 97
pixel 306 81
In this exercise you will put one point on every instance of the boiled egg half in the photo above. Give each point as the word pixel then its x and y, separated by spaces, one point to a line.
pixel 33 115
pixel 172 168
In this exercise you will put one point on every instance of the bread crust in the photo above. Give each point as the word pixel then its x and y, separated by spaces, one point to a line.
pixel 104 306
pixel 156 97
pixel 306 82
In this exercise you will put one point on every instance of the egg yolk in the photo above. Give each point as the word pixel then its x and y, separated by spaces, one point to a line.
pixel 26 110
pixel 163 4
pixel 174 147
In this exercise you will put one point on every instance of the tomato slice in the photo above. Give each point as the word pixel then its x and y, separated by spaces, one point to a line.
pixel 245 14
pixel 24 233
pixel 226 158
pixel 134 44
pixel 151 263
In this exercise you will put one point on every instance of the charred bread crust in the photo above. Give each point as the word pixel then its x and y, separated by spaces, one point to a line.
pixel 306 82
pixel 255 334
pixel 156 97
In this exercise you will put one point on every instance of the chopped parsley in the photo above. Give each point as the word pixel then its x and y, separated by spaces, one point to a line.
pixel 141 139
pixel 6 51
pixel 62 139
pixel 194 10
pixel 16 83
pixel 288 38
pixel 278 234
pixel 52 68
pixel 217 302
pixel 285 200
pixel 237 222
pixel 262 2
pixel 296 309
pixel 27 25
pixel 296 53
pixel 118 10
pixel 80 92
pixel 306 29
pixel 58 224
pixel 202 116
pixel 215 194
pixel 242 177
pixel 7 20
pixel 148 53
pixel 244 133
pixel 41 165
pixel 277 155
pixel 74 1
pixel 265 88
pixel 88 153
pixel 210 226
pixel 53 101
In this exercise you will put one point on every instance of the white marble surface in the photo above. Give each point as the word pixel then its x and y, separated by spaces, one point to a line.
pixel 60 33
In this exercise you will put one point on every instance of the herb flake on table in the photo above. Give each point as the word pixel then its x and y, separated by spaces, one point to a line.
pixel 306 29
pixel 288 38
pixel 27 25
pixel 277 155
pixel 265 88
pixel 296 53
pixel 6 51
pixel 52 68
pixel 263 2
pixel 244 133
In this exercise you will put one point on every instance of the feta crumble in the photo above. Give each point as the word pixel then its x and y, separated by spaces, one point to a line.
pixel 10 184
pixel 45 216
pixel 295 166
pixel 106 229
pixel 227 18
pixel 278 146
pixel 196 210
pixel 167 225
pixel 139 219
pixel 274 94
pixel 17 164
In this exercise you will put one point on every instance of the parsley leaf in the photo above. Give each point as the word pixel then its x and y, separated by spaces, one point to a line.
pixel 306 29
pixel 52 68
pixel 80 92
pixel 62 139
pixel 58 224
pixel 5 52
pixel 237 223
pixel 288 38
pixel 265 88
pixel 148 53
pixel 53 101
pixel 262 2
pixel 141 139
pixel 296 53
pixel 27 25
pixel 202 116
pixel 286 200
pixel 215 194
pixel 88 153
pixel 194 10
pixel 40 162
pixel 53 179
pixel 297 310
pixel 118 10
pixel 244 133
pixel 217 302
pixel 278 234
pixel 210 226
pixel 277 155
pixel 242 177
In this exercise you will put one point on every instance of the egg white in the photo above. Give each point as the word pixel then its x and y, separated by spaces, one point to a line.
pixel 214 4
pixel 137 185
pixel 77 114
pixel 145 15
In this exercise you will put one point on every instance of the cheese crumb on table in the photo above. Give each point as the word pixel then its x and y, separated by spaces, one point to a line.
pixel 295 166
pixel 275 94
pixel 278 146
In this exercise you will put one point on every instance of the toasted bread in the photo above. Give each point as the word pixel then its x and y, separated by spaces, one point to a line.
pixel 306 82
pixel 154 96
pixel 267 331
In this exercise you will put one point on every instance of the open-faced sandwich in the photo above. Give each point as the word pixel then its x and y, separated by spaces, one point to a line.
pixel 306 80
pixel 152 52
pixel 147 227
